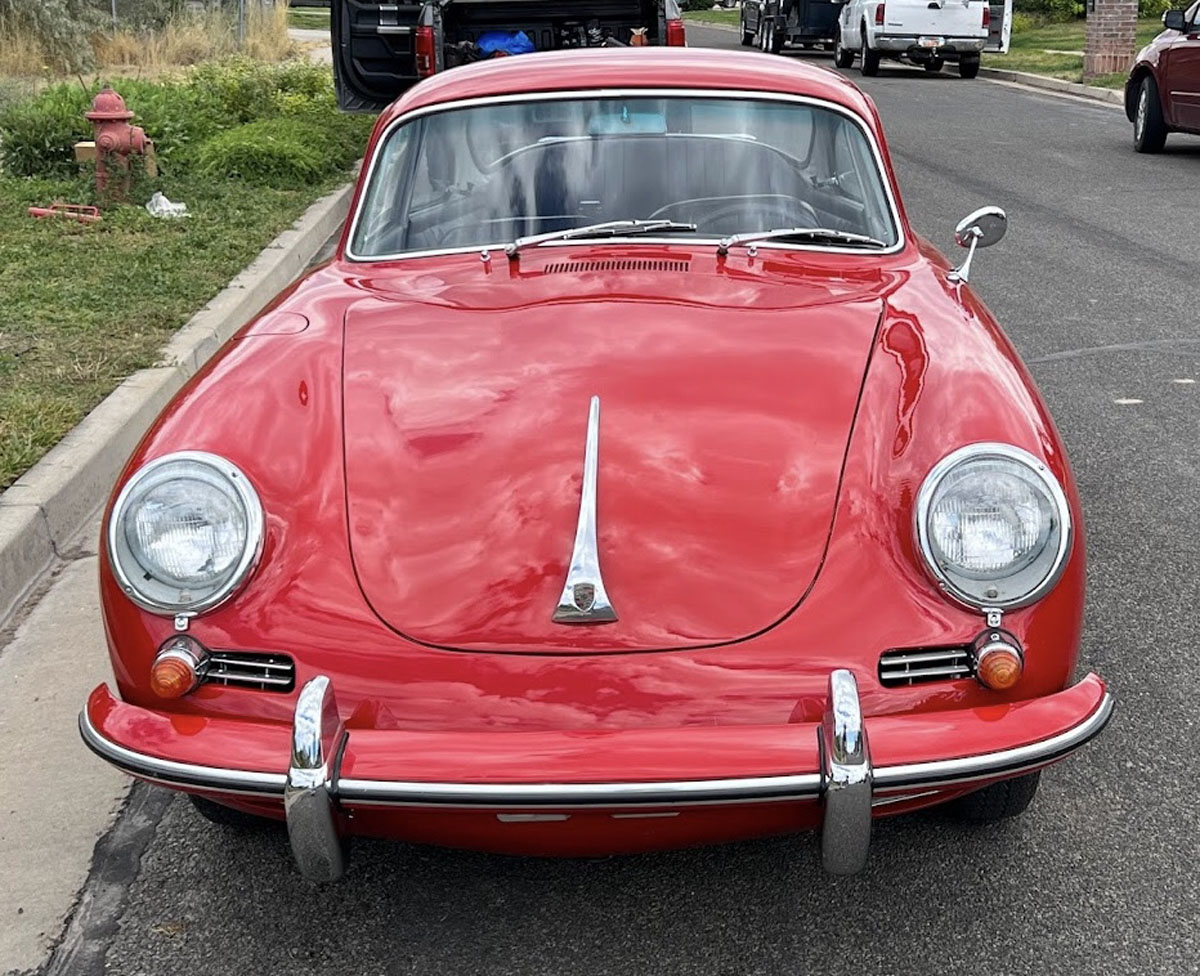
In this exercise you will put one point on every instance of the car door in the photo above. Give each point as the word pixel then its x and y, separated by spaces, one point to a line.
pixel 999 26
pixel 849 21
pixel 751 15
pixel 1183 76
pixel 374 53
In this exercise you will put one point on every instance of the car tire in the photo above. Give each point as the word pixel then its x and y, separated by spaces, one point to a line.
pixel 228 817
pixel 968 68
pixel 842 58
pixel 747 35
pixel 1149 127
pixel 998 801
pixel 933 65
pixel 869 65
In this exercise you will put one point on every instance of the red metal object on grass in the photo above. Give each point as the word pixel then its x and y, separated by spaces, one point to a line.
pixel 72 211
pixel 386 652
pixel 116 142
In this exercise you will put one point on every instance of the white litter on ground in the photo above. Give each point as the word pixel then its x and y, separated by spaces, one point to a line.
pixel 160 206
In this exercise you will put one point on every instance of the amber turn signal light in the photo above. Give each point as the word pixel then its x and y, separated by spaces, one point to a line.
pixel 998 663
pixel 178 668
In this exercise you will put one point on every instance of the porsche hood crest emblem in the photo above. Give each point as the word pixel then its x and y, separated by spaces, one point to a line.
pixel 583 599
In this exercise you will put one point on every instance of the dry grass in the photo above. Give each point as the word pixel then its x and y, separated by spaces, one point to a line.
pixel 188 39
pixel 21 56
pixel 195 37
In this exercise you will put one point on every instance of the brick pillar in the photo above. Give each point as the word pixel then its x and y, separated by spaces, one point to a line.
pixel 1111 25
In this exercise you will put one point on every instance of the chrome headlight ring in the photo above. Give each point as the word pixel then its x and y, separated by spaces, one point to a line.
pixel 149 586
pixel 1038 571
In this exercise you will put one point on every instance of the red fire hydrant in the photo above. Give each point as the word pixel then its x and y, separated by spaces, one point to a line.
pixel 116 142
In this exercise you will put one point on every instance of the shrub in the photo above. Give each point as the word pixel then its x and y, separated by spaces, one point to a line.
pixel 1156 8
pixel 37 136
pixel 281 153
pixel 1024 22
pixel 1050 11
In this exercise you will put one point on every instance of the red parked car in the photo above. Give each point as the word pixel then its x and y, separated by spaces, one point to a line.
pixel 632 477
pixel 1162 94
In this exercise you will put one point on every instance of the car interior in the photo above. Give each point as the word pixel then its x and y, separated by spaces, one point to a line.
pixel 726 172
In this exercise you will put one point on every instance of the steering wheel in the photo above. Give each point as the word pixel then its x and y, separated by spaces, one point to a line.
pixel 751 212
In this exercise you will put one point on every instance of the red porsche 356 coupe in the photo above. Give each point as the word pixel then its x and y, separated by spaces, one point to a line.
pixel 632 477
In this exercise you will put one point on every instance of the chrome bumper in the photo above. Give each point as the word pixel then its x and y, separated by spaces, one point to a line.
pixel 847 783
pixel 903 43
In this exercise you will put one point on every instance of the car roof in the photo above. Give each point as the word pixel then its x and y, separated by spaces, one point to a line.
pixel 655 67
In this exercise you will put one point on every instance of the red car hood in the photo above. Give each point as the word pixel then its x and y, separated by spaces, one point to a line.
pixel 723 429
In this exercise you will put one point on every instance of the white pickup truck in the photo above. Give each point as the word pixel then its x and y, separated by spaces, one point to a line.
pixel 924 32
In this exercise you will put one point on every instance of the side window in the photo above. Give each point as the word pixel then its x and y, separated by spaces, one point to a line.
pixel 846 163
pixel 853 168
pixel 1193 17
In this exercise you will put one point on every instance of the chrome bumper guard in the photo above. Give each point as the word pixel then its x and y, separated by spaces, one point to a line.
pixel 847 784
pixel 846 779
pixel 307 798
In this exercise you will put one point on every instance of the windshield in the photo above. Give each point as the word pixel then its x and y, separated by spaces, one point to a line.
pixel 489 174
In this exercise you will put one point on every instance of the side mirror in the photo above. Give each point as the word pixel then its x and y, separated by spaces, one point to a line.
pixel 983 228
pixel 1175 20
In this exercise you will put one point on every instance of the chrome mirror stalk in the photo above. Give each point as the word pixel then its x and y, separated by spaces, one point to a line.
pixel 983 228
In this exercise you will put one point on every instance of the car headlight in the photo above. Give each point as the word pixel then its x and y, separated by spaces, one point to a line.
pixel 993 525
pixel 184 533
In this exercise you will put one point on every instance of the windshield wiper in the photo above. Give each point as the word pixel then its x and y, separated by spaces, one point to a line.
pixel 610 228
pixel 820 235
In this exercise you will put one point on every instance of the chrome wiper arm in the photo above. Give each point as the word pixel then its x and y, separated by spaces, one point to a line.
pixel 824 234
pixel 609 228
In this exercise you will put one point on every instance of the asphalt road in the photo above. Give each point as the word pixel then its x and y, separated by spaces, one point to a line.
pixel 1096 284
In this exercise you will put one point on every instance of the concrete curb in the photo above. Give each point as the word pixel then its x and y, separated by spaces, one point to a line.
pixel 1112 96
pixel 1109 95
pixel 48 504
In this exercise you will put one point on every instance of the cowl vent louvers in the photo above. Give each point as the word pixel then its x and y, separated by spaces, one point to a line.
pixel 264 672
pixel 616 264
pixel 913 665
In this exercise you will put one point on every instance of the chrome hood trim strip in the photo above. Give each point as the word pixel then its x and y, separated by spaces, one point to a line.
pixel 584 600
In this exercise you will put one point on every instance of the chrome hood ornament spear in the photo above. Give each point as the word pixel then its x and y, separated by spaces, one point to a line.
pixel 583 599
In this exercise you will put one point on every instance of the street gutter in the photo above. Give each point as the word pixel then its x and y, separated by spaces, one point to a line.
pixel 53 500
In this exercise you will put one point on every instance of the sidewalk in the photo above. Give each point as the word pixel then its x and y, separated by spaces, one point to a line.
pixel 310 39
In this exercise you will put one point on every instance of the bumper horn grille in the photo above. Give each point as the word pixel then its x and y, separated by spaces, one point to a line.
pixel 913 665
pixel 264 672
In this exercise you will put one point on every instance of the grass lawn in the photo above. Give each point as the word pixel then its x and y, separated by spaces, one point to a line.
pixel 85 306
pixel 1041 51
pixel 730 18
pixel 313 18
